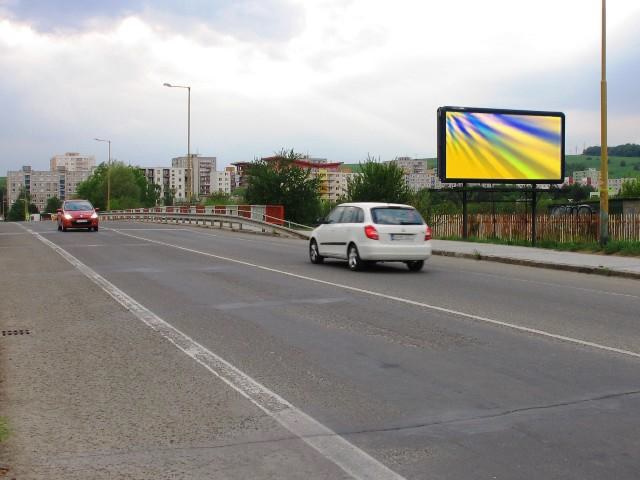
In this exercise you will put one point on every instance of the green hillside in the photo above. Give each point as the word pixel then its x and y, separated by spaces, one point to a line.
pixel 619 167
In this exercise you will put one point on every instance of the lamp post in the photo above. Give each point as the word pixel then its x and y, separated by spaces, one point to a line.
pixel 191 183
pixel 604 154
pixel 108 172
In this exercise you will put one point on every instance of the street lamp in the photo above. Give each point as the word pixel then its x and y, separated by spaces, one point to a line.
pixel 189 161
pixel 108 172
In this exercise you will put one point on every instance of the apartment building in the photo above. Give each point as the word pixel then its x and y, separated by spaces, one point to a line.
pixel 169 179
pixel 221 181
pixel 410 165
pixel 337 184
pixel 44 184
pixel 204 166
pixel 240 177
pixel 72 161
pixel 40 184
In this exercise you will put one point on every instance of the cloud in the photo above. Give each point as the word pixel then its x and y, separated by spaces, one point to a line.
pixel 349 78
pixel 250 20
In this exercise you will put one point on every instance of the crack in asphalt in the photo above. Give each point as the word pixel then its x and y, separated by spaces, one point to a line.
pixel 280 439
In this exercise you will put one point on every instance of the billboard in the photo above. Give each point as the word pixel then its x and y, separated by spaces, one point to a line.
pixel 483 145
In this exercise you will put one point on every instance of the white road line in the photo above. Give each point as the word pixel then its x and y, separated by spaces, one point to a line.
pixel 479 318
pixel 351 459
pixel 551 284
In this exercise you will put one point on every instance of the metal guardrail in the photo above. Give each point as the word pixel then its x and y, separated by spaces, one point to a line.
pixel 210 219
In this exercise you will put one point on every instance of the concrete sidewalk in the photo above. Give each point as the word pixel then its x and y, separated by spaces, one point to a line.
pixel 541 257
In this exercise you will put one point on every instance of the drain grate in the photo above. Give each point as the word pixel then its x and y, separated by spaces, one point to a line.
pixel 21 331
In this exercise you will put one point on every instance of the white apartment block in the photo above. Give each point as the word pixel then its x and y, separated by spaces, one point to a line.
pixel 221 182
pixel 72 161
pixel 590 176
pixel 203 165
pixel 410 165
pixel 615 184
pixel 170 179
pixel 336 183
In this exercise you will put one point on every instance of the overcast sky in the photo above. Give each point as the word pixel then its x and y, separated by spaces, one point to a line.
pixel 333 78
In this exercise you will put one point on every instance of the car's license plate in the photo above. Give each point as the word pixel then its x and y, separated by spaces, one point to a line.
pixel 401 237
pixel 82 221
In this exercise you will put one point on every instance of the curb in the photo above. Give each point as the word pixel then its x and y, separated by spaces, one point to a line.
pixel 539 264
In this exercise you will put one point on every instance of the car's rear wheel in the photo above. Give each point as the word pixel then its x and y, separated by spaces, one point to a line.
pixel 354 260
pixel 415 265
pixel 314 253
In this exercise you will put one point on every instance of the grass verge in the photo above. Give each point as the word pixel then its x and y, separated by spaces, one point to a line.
pixel 614 247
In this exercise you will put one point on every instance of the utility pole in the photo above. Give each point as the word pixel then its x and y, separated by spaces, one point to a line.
pixel 604 155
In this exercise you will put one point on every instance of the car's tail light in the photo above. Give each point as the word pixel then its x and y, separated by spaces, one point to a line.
pixel 427 234
pixel 371 232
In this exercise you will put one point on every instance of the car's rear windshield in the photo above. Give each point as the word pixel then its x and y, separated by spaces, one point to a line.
pixel 78 206
pixel 396 216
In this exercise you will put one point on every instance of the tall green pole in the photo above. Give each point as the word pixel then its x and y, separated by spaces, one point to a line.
pixel 604 155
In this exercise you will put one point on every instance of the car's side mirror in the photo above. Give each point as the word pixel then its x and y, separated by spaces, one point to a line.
pixel 321 220
pixel 59 210
pixel 97 209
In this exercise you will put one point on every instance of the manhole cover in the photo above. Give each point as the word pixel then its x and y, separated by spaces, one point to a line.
pixel 17 331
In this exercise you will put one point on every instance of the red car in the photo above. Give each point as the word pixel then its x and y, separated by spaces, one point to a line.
pixel 77 214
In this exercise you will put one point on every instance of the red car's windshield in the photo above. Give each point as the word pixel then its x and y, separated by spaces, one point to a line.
pixel 78 206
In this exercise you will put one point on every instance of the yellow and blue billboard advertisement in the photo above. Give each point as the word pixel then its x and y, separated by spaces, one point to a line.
pixel 500 146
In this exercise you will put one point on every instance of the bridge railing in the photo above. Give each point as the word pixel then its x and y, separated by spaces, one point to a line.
pixel 241 217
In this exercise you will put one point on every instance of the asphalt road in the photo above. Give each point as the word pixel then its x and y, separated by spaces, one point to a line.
pixel 467 369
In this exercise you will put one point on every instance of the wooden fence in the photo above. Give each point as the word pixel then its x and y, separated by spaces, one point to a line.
pixel 561 228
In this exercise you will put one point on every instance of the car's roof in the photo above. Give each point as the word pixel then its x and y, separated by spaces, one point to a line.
pixel 373 204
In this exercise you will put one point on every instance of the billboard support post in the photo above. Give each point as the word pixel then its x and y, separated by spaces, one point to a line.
pixel 465 230
pixel 534 201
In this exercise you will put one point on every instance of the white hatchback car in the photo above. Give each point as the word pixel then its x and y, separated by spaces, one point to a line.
pixel 364 233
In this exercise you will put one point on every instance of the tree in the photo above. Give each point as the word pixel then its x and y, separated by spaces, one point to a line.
pixel 631 188
pixel 626 150
pixel 53 204
pixel 575 192
pixel 280 181
pixel 378 182
pixel 129 188
pixel 169 196
pixel 16 212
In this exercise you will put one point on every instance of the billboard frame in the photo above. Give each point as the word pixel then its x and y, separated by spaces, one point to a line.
pixel 442 151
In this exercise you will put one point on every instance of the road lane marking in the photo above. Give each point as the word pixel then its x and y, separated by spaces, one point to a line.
pixel 407 301
pixel 550 284
pixel 351 459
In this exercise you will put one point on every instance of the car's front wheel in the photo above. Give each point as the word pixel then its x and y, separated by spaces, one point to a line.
pixel 415 265
pixel 314 253
pixel 353 257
